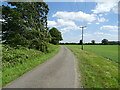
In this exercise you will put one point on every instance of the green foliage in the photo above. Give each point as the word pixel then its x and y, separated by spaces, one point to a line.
pixel 26 25
pixel 17 61
pixel 105 41
pixel 80 43
pixel 13 56
pixel 93 42
pixel 96 71
pixel 55 36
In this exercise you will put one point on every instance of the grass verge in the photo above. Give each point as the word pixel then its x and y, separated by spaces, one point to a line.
pixel 32 59
pixel 96 71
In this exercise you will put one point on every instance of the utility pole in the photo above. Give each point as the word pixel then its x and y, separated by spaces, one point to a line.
pixel 82 35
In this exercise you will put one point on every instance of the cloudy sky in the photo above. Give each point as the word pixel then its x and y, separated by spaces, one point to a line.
pixel 101 19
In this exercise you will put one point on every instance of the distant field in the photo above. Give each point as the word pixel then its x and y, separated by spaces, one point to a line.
pixel 107 51
pixel 97 71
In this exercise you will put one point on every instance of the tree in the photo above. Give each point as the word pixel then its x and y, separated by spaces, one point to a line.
pixel 93 42
pixel 105 42
pixel 26 24
pixel 55 36
pixel 80 43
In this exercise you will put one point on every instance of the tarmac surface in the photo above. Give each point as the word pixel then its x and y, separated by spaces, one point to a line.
pixel 58 72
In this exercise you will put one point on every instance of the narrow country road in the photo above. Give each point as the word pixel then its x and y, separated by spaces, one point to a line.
pixel 58 72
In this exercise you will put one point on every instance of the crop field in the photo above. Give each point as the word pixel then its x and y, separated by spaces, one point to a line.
pixel 97 71
pixel 108 51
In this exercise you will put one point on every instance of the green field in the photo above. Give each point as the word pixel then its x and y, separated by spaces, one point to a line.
pixel 107 51
pixel 96 70
pixel 16 62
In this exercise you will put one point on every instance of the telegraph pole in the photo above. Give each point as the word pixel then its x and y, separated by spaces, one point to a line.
pixel 82 35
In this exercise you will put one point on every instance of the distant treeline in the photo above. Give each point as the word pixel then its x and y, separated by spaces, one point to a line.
pixel 109 43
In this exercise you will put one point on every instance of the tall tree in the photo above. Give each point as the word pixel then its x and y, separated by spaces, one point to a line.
pixel 93 42
pixel 80 43
pixel 55 36
pixel 105 41
pixel 26 22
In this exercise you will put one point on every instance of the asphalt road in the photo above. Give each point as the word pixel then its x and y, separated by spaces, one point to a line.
pixel 58 72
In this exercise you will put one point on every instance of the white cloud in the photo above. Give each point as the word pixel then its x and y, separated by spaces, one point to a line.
pixel 75 16
pixel 66 29
pixel 102 19
pixel 115 9
pixel 97 23
pixel 89 23
pixel 106 6
pixel 65 25
pixel 109 27
pixel 101 34
pixel 114 30
pixel 52 24
pixel 100 15
pixel 62 22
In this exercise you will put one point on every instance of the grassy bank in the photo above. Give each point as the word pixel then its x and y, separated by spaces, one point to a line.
pixel 16 62
pixel 96 71
pixel 107 51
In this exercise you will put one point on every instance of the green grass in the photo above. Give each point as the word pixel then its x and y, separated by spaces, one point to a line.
pixel 31 59
pixel 96 71
pixel 107 51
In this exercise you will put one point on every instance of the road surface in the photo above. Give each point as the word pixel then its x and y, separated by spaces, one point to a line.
pixel 58 72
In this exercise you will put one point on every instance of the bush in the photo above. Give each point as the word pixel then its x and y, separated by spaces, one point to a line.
pixel 13 56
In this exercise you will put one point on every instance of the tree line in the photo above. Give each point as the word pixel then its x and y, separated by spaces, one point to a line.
pixel 103 42
pixel 26 25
